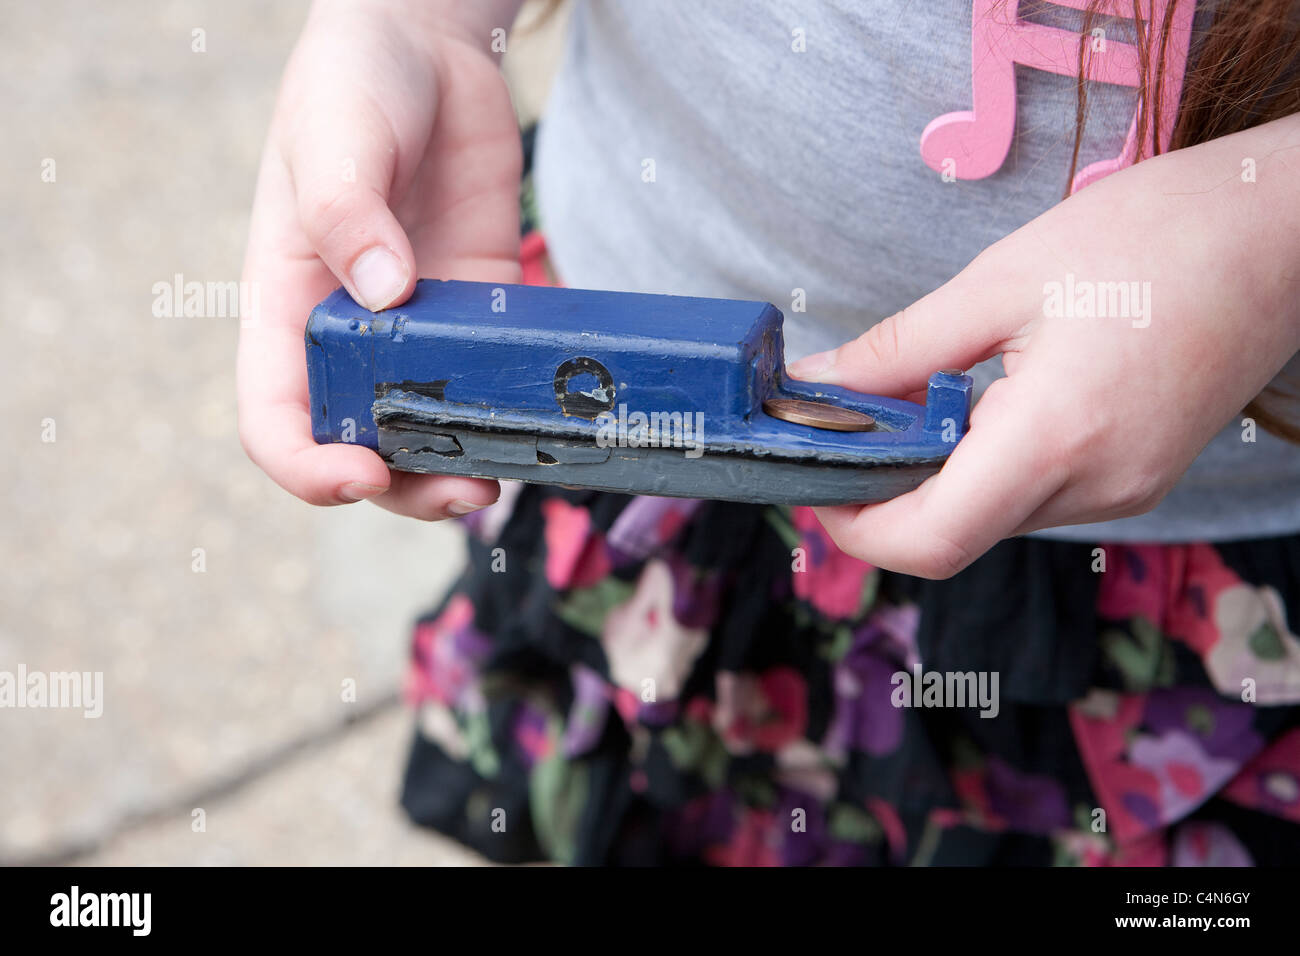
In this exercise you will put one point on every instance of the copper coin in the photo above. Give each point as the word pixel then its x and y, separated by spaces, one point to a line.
pixel 818 415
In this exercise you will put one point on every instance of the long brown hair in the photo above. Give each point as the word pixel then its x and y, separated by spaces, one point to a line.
pixel 1244 71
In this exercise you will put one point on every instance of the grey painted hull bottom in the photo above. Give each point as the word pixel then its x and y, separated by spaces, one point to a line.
pixel 645 471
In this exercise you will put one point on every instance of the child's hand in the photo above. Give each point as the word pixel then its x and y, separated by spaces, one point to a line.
pixel 393 154
pixel 1098 417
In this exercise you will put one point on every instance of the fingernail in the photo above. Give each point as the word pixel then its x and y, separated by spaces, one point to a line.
pixel 810 366
pixel 378 277
pixel 460 507
pixel 358 491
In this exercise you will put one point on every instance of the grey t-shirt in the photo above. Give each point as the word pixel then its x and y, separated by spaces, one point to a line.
pixel 749 150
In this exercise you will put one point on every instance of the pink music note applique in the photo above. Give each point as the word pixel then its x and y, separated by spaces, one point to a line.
pixel 972 144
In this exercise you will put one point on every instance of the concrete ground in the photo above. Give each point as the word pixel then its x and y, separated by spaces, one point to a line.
pixel 128 159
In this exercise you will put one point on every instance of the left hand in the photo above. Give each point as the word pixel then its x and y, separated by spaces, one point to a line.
pixel 1097 417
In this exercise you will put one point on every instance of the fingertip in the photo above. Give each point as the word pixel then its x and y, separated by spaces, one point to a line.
pixel 811 368
pixel 458 497
pixel 834 517
pixel 334 474
pixel 358 491
pixel 479 492
pixel 381 278
pixel 437 497
pixel 838 522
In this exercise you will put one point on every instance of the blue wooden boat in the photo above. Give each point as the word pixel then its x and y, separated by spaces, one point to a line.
pixel 619 392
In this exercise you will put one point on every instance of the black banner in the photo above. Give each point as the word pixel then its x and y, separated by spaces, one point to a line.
pixel 334 906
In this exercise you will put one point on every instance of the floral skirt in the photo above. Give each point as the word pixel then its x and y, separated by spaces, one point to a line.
pixel 620 680
pixel 623 680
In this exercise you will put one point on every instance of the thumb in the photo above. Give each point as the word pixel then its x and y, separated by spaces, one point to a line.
pixel 960 324
pixel 343 169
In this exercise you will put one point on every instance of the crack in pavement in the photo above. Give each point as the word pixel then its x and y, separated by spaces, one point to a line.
pixel 67 852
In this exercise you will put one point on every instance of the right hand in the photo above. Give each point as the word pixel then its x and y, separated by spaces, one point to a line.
pixel 393 154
